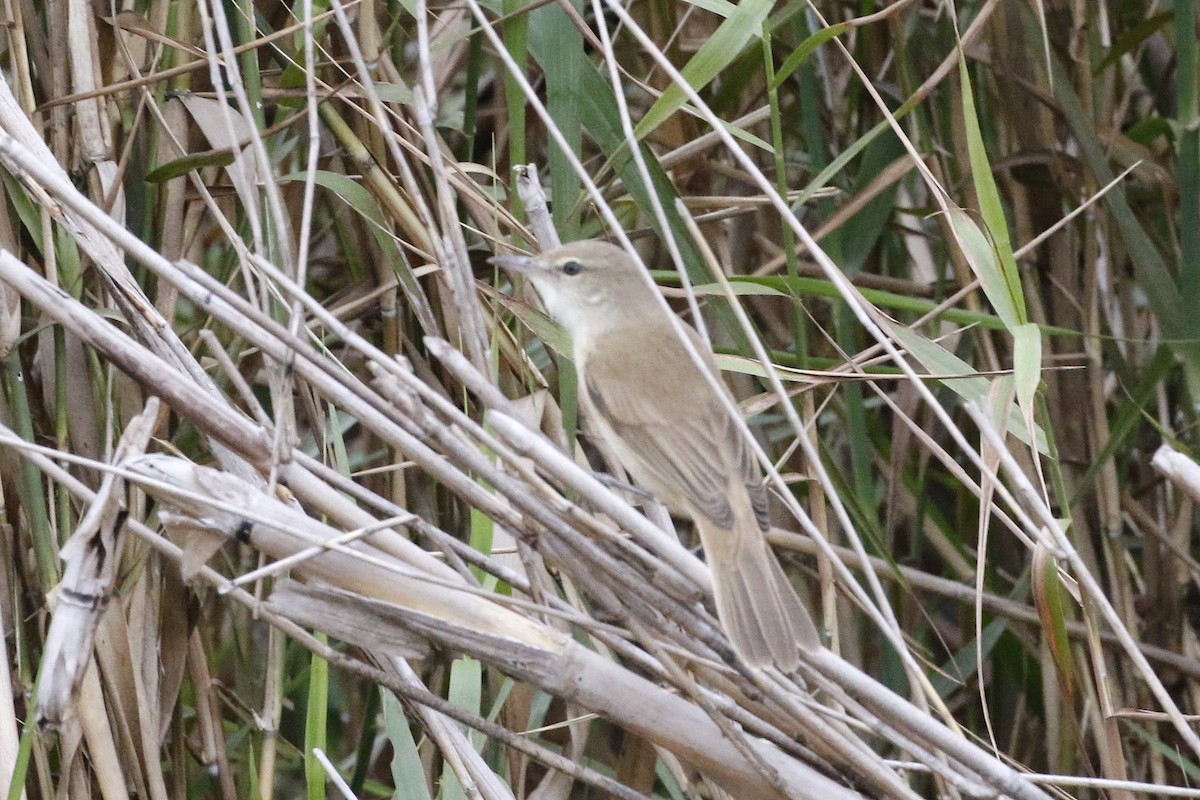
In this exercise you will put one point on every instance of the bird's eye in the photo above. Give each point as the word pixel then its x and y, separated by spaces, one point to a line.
pixel 572 267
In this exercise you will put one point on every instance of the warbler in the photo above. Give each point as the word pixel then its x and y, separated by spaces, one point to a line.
pixel 646 396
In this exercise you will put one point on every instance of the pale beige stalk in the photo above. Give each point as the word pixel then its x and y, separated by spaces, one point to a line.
pixel 643 392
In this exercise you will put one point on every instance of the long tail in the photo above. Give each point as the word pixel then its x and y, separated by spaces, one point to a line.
pixel 765 620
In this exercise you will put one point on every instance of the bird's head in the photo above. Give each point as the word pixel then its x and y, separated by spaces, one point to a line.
pixel 586 284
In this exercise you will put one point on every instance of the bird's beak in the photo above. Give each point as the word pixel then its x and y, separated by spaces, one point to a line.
pixel 525 264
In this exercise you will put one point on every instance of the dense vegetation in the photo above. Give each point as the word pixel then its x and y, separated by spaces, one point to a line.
pixel 948 255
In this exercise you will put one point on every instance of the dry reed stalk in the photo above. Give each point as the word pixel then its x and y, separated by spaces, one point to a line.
pixel 608 609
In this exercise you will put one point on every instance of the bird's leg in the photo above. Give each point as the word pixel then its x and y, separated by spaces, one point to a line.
pixel 634 493
pixel 656 512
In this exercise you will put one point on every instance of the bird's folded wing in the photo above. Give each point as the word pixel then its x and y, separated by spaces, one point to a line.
pixel 684 445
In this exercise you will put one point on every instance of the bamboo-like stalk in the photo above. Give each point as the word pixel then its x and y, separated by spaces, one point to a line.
pixel 317 311
pixel 467 623
pixel 433 605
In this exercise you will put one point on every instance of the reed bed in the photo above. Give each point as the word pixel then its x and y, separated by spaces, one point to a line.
pixel 297 497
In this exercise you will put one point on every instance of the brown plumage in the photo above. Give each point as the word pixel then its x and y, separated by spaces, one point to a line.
pixel 646 396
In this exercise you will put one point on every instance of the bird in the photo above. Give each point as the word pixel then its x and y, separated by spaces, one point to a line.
pixel 646 396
